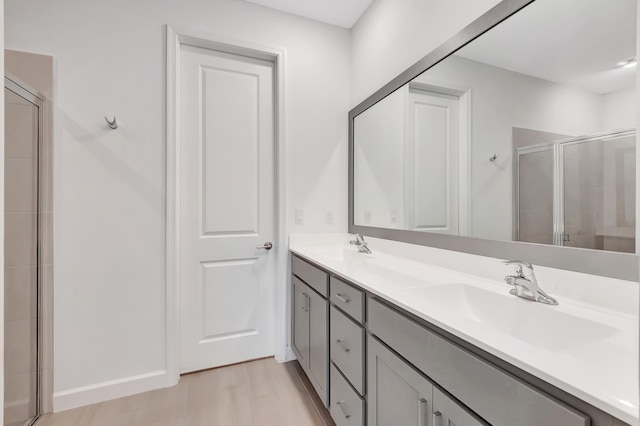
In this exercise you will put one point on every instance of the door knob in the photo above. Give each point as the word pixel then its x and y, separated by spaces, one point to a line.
pixel 266 246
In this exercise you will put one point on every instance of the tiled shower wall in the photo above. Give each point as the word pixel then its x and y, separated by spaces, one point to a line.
pixel 20 242
pixel 536 186
pixel 583 183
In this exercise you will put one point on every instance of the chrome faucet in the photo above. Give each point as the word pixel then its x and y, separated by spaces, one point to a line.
pixel 525 283
pixel 361 243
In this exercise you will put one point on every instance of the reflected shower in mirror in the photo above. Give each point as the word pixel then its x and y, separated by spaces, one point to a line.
pixel 527 133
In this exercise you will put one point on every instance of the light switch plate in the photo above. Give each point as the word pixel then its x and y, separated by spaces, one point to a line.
pixel 328 217
pixel 299 217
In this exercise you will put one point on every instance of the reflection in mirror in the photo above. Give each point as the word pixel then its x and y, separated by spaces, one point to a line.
pixel 527 133
pixel 593 179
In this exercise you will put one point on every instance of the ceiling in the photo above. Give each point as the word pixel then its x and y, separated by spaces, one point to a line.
pixel 343 13
pixel 572 42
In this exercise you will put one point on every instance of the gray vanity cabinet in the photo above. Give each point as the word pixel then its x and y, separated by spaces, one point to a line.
pixel 448 412
pixel 347 348
pixel 347 407
pixel 300 329
pixel 310 324
pixel 401 395
pixel 398 394
pixel 347 351
pixel 318 352
pixel 490 392
pixel 374 364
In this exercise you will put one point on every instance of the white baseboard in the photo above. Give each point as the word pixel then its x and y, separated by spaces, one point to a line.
pixel 85 395
pixel 288 355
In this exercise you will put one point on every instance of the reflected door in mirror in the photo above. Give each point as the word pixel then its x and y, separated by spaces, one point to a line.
pixel 406 162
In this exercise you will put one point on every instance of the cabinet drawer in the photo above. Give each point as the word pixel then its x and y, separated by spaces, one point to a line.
pixel 347 408
pixel 347 347
pixel 492 393
pixel 347 298
pixel 314 277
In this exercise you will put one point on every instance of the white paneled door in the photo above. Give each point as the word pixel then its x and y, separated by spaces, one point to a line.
pixel 227 208
pixel 432 162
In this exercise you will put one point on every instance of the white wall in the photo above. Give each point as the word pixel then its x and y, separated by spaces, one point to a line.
pixel 619 109
pixel 379 163
pixel 109 185
pixel 394 34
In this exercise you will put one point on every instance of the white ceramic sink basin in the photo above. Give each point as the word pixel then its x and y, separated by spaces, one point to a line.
pixel 541 325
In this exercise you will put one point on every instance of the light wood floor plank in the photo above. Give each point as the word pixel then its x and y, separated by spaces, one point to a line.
pixel 297 406
pixel 256 393
pixel 64 418
pixel 267 409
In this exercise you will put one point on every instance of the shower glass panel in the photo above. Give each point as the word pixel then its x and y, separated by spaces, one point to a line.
pixel 600 193
pixel 578 192
pixel 21 258
pixel 535 195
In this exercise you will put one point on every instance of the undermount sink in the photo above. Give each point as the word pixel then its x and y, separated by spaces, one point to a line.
pixel 537 324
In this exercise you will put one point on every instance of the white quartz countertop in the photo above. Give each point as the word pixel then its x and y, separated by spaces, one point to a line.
pixel 587 350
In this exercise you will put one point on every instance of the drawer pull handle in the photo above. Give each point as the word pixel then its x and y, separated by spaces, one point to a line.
pixel 437 416
pixel 343 299
pixel 422 414
pixel 341 404
pixel 340 343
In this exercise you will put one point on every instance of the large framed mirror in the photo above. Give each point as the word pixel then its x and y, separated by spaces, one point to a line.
pixel 516 138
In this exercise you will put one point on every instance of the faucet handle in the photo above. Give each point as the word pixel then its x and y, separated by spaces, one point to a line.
pixel 358 241
pixel 518 262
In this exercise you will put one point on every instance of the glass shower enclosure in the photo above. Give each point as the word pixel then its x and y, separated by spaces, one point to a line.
pixel 23 135
pixel 578 192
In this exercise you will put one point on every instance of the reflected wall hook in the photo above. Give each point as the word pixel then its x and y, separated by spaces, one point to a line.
pixel 113 123
pixel 494 157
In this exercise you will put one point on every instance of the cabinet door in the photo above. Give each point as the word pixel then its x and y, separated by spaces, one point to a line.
pixel 300 322
pixel 318 349
pixel 447 412
pixel 398 394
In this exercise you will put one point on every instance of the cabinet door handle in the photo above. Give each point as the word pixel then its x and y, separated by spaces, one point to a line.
pixel 304 302
pixel 341 404
pixel 343 299
pixel 437 418
pixel 422 413
pixel 340 343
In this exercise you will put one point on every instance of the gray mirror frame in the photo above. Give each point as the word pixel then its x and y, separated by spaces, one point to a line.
pixel 609 264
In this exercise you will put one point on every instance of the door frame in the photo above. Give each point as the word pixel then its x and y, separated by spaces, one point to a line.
pixel 176 37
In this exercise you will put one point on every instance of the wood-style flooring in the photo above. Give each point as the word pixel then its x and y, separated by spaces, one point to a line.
pixel 258 393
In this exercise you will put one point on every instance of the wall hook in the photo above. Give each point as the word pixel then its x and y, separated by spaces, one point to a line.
pixel 113 123
pixel 493 158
